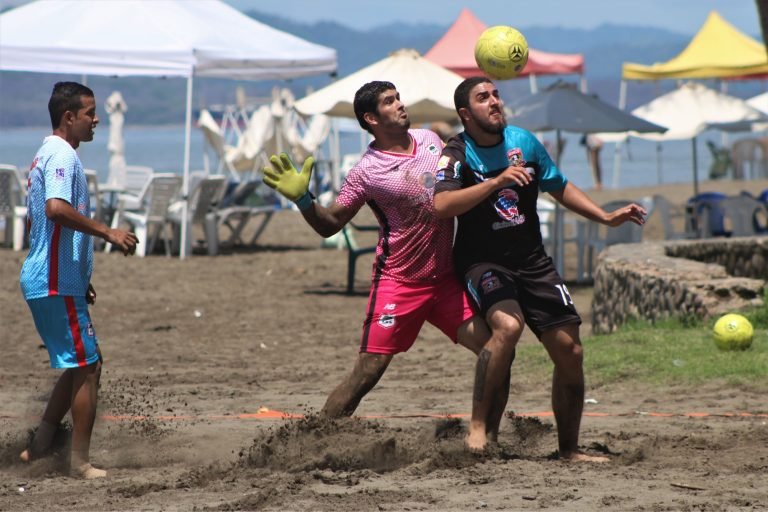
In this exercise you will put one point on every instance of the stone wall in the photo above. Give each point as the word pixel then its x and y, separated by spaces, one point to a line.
pixel 678 279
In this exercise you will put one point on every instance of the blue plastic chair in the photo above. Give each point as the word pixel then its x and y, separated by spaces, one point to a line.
pixel 706 214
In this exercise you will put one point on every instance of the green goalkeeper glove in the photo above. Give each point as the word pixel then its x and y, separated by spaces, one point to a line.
pixel 291 183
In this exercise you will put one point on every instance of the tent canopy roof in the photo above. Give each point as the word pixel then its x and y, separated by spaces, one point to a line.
pixel 456 51
pixel 160 38
pixel 718 50
pixel 425 88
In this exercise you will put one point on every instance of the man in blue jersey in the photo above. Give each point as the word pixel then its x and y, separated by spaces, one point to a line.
pixel 56 275
pixel 489 177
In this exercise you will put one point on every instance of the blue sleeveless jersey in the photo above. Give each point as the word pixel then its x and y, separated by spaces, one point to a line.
pixel 60 260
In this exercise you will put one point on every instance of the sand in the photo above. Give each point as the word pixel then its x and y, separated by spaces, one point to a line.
pixel 200 354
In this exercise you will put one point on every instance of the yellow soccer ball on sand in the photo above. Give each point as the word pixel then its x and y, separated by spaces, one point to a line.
pixel 501 52
pixel 733 332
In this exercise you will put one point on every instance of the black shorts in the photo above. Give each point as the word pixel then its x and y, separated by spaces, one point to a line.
pixel 533 282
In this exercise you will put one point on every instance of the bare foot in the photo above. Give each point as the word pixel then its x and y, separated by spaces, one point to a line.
pixel 583 457
pixel 476 440
pixel 88 472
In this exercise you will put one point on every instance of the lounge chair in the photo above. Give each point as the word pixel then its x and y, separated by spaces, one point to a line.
pixel 206 193
pixel 599 237
pixel 233 214
pixel 153 203
pixel 12 207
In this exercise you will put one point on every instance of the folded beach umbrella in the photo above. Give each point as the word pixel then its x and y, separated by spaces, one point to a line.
pixel 425 88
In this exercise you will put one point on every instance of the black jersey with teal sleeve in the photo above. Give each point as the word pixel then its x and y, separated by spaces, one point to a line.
pixel 505 226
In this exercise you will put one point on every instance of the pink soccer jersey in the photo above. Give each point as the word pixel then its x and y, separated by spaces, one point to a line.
pixel 414 245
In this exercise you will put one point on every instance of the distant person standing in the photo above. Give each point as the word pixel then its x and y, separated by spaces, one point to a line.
pixel 594 145
pixel 56 275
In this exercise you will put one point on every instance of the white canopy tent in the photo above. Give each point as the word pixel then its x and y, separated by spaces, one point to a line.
pixel 162 38
pixel 687 112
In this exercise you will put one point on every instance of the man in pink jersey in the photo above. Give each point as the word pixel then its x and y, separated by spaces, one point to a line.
pixel 413 275
pixel 56 275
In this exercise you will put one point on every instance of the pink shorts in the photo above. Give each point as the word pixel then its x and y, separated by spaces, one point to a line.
pixel 397 311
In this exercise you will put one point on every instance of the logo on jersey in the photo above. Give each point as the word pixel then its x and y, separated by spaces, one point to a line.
pixel 427 180
pixel 489 282
pixel 433 149
pixel 390 307
pixel 59 173
pixel 387 321
pixel 515 157
pixel 443 162
pixel 89 329
pixel 457 169
pixel 506 206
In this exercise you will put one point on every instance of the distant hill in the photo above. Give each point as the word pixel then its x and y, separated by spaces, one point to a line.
pixel 23 96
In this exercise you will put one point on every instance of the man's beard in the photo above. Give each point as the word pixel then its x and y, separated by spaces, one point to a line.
pixel 489 126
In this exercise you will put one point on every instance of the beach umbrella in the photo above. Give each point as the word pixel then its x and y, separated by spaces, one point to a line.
pixel 561 107
pixel 691 109
pixel 115 106
pixel 425 88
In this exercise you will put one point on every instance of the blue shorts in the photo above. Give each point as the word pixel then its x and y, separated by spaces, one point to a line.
pixel 66 329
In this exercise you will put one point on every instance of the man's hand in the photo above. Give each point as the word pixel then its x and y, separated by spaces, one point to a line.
pixel 284 177
pixel 125 240
pixel 513 175
pixel 632 212
pixel 90 295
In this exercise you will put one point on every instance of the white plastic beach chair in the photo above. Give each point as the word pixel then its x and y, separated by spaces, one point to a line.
pixel 154 200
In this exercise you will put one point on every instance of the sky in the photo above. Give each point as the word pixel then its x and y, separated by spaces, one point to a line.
pixel 683 16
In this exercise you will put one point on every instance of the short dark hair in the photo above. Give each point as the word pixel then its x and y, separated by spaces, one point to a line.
pixel 461 95
pixel 367 100
pixel 66 96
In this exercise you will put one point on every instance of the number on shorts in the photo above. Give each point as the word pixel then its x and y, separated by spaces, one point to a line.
pixel 564 294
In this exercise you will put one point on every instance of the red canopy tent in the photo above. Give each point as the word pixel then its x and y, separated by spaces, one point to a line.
pixel 456 51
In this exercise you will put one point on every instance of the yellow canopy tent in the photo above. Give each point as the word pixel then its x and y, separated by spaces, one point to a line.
pixel 718 50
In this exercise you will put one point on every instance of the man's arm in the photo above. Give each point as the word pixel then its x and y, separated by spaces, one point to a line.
pixel 452 203
pixel 573 198
pixel 61 212
pixel 294 185
pixel 327 221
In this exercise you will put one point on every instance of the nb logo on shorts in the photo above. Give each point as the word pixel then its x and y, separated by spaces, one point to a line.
pixel 387 321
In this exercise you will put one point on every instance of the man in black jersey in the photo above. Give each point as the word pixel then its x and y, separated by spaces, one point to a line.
pixel 489 177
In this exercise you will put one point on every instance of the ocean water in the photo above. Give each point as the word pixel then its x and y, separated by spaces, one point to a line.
pixel 643 163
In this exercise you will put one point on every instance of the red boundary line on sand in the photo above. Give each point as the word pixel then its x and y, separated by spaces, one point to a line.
pixel 268 414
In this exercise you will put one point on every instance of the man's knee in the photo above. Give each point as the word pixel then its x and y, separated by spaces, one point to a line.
pixel 506 321
pixel 473 334
pixel 370 367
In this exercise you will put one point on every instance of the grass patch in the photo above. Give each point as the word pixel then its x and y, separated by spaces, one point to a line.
pixel 666 353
